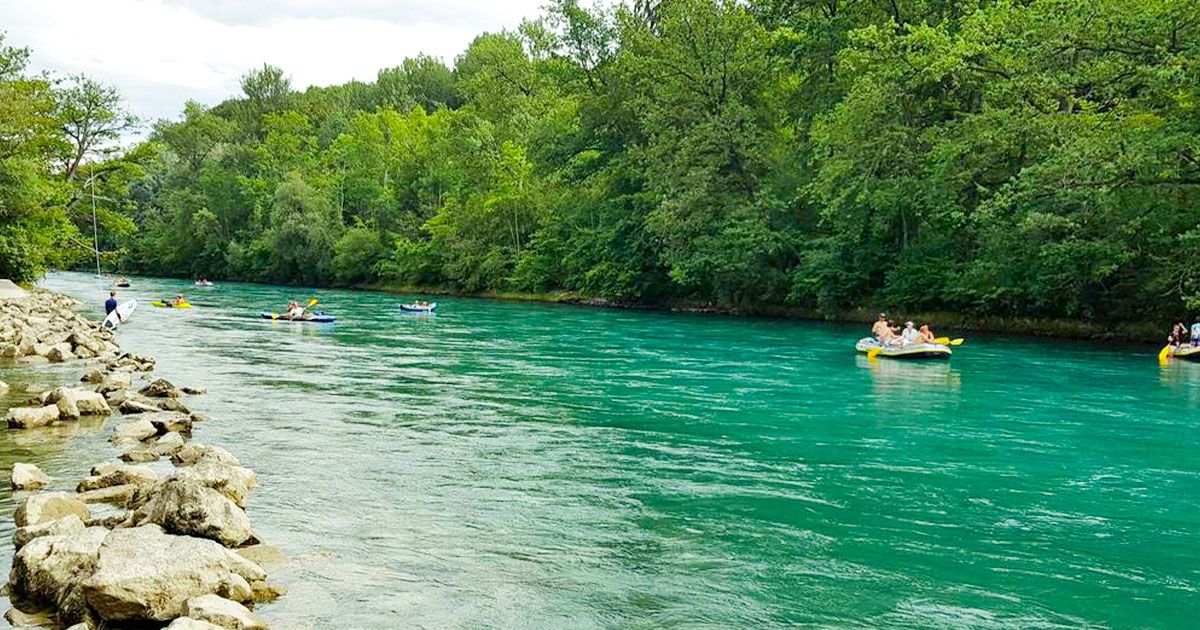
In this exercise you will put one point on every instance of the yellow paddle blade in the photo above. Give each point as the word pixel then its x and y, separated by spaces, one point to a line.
pixel 873 353
pixel 312 302
pixel 957 342
pixel 274 315
pixel 945 341
pixel 1164 353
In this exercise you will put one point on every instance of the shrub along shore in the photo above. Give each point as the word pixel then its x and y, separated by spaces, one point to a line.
pixel 158 537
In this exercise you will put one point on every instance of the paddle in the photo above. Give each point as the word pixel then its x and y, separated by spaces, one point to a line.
pixel 946 341
pixel 873 353
pixel 1165 353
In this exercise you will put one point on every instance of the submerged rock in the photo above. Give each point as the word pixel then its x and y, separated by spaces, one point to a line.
pixel 224 613
pixel 28 477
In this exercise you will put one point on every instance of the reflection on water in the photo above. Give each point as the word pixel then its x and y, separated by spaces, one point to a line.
pixel 1182 378
pixel 536 466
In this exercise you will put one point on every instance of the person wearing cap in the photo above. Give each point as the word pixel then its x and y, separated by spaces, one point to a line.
pixel 883 330
pixel 910 334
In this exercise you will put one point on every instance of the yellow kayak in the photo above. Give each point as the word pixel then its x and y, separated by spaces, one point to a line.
pixel 162 304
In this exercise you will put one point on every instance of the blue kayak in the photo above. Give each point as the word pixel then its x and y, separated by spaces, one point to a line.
pixel 317 318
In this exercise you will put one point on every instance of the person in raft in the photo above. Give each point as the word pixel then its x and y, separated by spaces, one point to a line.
pixel 1178 334
pixel 909 334
pixel 1196 332
pixel 295 311
pixel 883 331
pixel 925 335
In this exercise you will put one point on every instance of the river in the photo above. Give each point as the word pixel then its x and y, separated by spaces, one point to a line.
pixel 509 464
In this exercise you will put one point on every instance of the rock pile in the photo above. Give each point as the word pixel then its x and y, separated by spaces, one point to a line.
pixel 176 552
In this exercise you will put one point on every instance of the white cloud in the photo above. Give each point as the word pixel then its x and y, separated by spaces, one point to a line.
pixel 160 53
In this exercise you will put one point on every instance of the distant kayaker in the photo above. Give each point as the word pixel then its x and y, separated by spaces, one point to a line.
pixel 110 304
pixel 294 310
pixel 179 301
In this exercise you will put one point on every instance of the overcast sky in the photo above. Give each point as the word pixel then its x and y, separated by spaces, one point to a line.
pixel 160 53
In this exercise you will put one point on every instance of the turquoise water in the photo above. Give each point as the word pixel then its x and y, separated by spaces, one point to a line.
pixel 523 465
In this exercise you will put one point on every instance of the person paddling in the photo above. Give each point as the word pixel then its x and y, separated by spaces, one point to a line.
pixel 925 335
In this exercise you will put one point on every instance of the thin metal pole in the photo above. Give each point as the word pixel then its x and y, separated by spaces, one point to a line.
pixel 95 228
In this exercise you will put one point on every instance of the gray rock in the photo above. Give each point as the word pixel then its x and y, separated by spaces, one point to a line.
pixel 134 431
pixel 66 525
pixel 50 570
pixel 167 421
pixel 224 613
pixel 44 507
pixel 114 495
pixel 19 619
pixel 118 380
pixel 143 573
pixel 32 417
pixel 194 391
pixel 232 481
pixel 28 477
pixel 187 623
pixel 73 403
pixel 167 443
pixel 160 388
pixel 193 453
pixel 173 404
pixel 109 475
pixel 61 353
pixel 139 455
pixel 94 376
pixel 132 406
pixel 190 508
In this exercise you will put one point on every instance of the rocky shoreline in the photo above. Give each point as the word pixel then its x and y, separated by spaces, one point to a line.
pixel 140 542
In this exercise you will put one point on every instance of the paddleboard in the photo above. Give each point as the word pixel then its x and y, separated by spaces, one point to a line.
pixel 121 314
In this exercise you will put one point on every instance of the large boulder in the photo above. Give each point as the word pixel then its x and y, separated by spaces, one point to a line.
pixel 28 477
pixel 160 388
pixel 109 475
pixel 188 507
pixel 50 570
pixel 224 613
pixel 232 481
pixel 73 403
pixel 44 507
pixel 68 524
pixel 31 417
pixel 133 431
pixel 145 574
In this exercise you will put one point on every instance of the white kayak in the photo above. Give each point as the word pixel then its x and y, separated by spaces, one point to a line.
pixel 907 351
pixel 120 315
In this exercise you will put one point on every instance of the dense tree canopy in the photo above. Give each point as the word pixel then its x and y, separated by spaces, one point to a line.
pixel 1033 157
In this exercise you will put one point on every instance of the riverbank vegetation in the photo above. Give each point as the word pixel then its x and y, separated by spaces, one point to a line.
pixel 1011 159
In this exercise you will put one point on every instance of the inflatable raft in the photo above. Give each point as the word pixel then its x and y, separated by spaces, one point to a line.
pixel 317 318
pixel 1187 353
pixel 909 351
pixel 419 308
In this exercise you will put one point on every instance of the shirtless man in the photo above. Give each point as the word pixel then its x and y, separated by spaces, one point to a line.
pixel 882 330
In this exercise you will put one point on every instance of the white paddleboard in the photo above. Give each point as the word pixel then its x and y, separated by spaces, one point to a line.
pixel 121 314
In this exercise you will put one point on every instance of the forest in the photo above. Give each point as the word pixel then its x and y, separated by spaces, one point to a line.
pixel 1033 158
